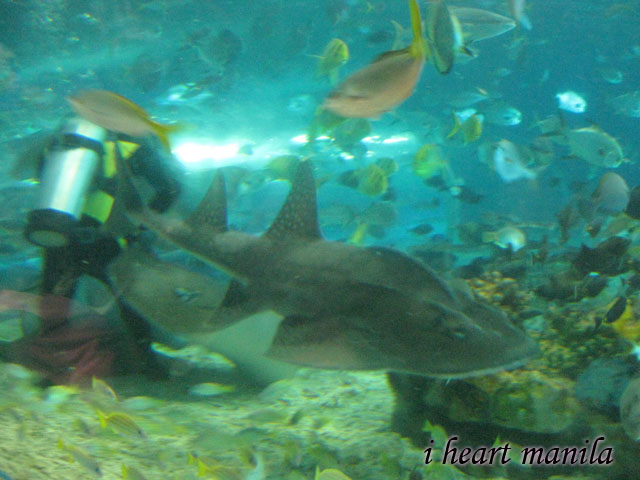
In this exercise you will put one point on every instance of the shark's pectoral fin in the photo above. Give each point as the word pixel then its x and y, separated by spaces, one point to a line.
pixel 167 295
pixel 239 302
pixel 237 295
pixel 334 343
pixel 298 217
pixel 177 299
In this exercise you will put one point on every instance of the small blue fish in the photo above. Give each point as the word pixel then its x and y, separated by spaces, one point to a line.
pixel 4 476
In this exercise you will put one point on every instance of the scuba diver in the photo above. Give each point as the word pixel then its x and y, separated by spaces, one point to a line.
pixel 78 223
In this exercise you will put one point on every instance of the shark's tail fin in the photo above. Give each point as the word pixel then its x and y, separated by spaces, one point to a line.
pixel 212 210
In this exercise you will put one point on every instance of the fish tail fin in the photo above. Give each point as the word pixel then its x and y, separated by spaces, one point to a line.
pixel 465 50
pixel 102 419
pixel 397 35
pixel 418 48
pixel 163 131
pixel 525 22
pixel 65 448
pixel 203 469
pixel 357 238
pixel 560 131
pixel 456 126
pixel 164 139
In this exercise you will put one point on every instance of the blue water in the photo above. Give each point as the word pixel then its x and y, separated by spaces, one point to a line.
pixel 257 86
pixel 141 51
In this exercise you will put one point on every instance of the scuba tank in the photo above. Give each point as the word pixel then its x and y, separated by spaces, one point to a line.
pixel 68 171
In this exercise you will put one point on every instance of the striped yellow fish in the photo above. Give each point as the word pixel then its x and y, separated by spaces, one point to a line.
pixel 102 388
pixel 81 457
pixel 120 423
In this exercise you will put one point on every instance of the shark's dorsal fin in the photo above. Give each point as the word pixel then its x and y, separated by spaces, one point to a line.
pixel 298 216
pixel 212 210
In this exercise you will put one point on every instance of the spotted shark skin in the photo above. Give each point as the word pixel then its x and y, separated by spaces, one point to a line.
pixel 343 306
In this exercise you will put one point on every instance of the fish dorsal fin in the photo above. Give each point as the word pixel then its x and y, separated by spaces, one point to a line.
pixel 298 216
pixel 390 54
pixel 212 210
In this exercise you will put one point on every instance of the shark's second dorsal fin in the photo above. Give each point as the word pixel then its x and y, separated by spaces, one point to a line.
pixel 298 216
pixel 212 210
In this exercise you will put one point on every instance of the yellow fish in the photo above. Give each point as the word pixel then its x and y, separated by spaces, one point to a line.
pixel 330 474
pixel 81 457
pixel 210 389
pixel 386 82
pixel 389 165
pixel 102 388
pixel 61 393
pixel 335 54
pixel 626 324
pixel 357 238
pixel 429 161
pixel 323 122
pixel 219 472
pixel 132 473
pixel 372 180
pixel 471 127
pixel 118 114
pixel 121 423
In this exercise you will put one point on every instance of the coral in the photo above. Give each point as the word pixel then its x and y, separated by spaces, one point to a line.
pixel 501 291
pixel 525 400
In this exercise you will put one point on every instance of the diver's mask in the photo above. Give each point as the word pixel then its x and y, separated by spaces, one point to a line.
pixel 68 171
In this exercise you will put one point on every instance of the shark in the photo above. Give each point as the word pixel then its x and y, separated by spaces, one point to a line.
pixel 340 306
